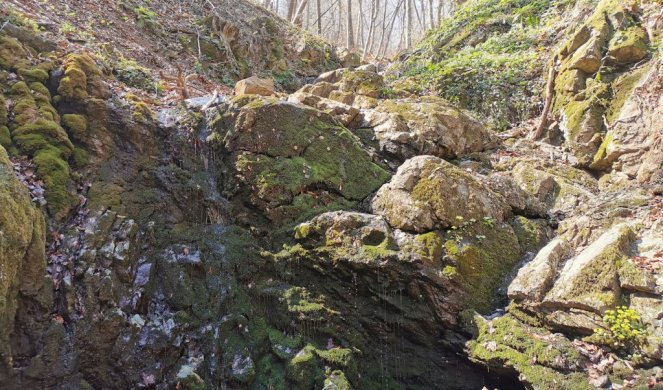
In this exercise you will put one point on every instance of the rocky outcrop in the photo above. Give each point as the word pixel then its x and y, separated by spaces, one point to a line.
pixel 24 289
pixel 428 125
pixel 426 193
pixel 289 160
pixel 597 53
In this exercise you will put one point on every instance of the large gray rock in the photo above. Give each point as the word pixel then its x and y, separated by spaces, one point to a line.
pixel 589 281
pixel 536 277
pixel 429 125
pixel 428 193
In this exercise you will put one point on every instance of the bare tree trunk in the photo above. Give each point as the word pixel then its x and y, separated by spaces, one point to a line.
pixel 319 16
pixel 368 46
pixel 408 24
pixel 299 15
pixel 431 18
pixel 292 8
pixel 350 39
pixel 394 15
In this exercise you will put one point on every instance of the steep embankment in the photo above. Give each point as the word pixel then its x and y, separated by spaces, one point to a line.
pixel 349 235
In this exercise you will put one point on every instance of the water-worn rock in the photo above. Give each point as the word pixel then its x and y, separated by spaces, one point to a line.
pixel 428 193
pixel 536 278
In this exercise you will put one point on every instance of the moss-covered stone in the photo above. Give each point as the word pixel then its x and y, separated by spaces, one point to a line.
pixel 295 161
pixel 483 256
pixel 589 281
pixel 540 357
pixel 629 45
pixel 77 125
pixel 12 54
pixel 304 368
pixel 82 79
pixel 35 74
pixel 22 257
pixel 36 131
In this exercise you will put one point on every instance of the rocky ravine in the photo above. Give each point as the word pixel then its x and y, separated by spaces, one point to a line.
pixel 331 238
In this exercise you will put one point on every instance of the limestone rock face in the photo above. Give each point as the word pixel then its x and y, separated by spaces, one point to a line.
pixel 22 258
pixel 429 125
pixel 610 36
pixel 255 86
pixel 289 160
pixel 429 193
pixel 346 114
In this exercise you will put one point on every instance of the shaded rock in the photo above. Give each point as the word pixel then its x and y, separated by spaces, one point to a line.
pixel 539 356
pixel 520 201
pixel 429 193
pixel 255 86
pixel 559 187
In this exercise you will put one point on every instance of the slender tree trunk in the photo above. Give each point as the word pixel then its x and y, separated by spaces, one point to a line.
pixel 299 15
pixel 368 46
pixel 408 24
pixel 292 8
pixel 319 16
pixel 431 17
pixel 350 39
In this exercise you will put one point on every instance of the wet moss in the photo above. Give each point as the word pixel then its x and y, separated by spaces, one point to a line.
pixel 77 125
pixel 304 368
pixel 54 171
pixel 482 257
pixel 12 54
pixel 336 380
pixel 82 79
pixel 270 374
pixel 36 132
pixel 34 75
pixel 507 343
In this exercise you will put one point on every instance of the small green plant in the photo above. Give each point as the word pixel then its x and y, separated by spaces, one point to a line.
pixel 146 18
pixel 67 28
pixel 624 328
pixel 489 221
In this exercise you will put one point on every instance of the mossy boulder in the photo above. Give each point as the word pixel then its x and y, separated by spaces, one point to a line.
pixel 22 255
pixel 628 46
pixel 430 125
pixel 426 194
pixel 541 358
pixel 82 79
pixel 290 160
pixel 589 281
